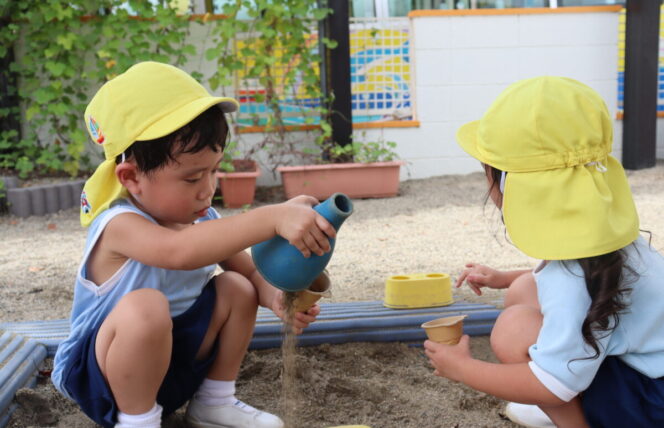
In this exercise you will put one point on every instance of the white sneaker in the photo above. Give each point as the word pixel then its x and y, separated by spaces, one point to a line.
pixel 236 415
pixel 528 415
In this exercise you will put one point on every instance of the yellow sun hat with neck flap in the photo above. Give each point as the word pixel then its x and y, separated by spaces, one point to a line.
pixel 565 197
pixel 150 100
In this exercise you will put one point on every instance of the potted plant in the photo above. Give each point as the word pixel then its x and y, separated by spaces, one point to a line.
pixel 271 58
pixel 374 172
pixel 237 178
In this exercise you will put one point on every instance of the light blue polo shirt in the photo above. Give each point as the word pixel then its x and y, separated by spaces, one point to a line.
pixel 559 358
pixel 93 302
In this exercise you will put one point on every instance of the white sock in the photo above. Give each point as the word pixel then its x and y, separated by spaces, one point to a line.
pixel 216 392
pixel 149 419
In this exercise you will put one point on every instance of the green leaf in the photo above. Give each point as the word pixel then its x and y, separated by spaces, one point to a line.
pixel 57 69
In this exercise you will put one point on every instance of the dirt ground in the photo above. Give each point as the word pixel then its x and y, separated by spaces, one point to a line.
pixel 435 225
pixel 374 384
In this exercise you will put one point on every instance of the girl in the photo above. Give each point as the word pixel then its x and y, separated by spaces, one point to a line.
pixel 581 335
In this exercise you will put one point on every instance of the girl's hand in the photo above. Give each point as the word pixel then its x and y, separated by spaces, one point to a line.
pixel 303 227
pixel 478 276
pixel 447 360
pixel 301 320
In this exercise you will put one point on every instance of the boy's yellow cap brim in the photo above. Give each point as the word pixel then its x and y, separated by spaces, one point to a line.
pixel 182 115
pixel 148 101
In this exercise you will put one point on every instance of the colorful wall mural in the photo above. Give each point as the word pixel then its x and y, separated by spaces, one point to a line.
pixel 380 78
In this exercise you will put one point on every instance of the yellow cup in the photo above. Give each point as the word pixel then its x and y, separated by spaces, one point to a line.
pixel 447 330
pixel 306 298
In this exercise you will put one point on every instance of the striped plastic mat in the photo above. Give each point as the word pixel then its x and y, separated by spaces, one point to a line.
pixel 20 359
pixel 366 321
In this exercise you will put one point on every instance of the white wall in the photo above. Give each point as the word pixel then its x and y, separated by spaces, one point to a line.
pixel 462 62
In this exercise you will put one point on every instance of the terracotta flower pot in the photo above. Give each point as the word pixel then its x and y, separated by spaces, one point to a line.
pixel 357 180
pixel 238 187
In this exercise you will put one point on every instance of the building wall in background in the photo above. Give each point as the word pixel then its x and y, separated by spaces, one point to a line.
pixel 455 65
pixel 463 60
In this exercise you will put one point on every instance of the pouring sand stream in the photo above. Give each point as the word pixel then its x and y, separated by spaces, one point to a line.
pixel 289 393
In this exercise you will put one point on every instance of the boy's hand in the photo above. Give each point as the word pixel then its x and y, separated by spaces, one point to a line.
pixel 303 227
pixel 447 360
pixel 478 276
pixel 301 320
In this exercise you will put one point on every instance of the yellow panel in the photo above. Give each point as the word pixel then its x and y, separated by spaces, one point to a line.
pixel 370 39
pixel 419 290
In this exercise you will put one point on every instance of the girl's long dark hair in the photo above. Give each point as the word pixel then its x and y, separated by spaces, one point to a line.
pixel 605 281
pixel 607 287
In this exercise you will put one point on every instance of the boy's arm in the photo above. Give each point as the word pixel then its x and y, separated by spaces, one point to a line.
pixel 512 382
pixel 268 296
pixel 244 265
pixel 132 236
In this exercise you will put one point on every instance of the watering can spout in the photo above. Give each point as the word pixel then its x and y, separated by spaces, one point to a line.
pixel 283 266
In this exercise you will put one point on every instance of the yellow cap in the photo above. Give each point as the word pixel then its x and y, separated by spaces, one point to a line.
pixel 148 101
pixel 565 196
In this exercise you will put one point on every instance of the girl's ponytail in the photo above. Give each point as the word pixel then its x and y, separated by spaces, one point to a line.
pixel 606 285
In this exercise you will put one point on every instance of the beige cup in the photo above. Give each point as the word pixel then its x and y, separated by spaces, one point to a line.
pixel 307 298
pixel 447 330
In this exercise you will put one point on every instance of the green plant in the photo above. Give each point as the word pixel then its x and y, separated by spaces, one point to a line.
pixel 363 151
pixel 274 55
pixel 65 46
pixel 230 153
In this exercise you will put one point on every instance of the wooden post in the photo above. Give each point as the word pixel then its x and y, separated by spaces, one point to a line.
pixel 336 71
pixel 641 73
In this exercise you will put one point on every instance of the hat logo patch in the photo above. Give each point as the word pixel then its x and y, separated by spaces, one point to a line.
pixel 85 205
pixel 95 130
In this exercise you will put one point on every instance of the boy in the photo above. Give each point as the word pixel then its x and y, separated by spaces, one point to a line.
pixel 152 325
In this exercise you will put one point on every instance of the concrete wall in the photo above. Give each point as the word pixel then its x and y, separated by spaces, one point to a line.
pixel 463 61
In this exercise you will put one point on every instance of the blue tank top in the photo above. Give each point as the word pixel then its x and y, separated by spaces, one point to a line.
pixel 93 302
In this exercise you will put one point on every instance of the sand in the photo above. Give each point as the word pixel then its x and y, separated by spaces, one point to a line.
pixel 435 225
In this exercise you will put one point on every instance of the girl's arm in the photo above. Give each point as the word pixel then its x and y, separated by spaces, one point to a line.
pixel 478 276
pixel 512 382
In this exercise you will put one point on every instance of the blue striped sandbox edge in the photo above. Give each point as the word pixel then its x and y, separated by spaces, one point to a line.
pixel 364 321
pixel 19 361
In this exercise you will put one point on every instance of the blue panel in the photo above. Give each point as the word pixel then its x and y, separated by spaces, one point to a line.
pixel 338 322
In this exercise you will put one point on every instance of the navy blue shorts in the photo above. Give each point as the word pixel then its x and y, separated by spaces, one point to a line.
pixel 621 397
pixel 87 386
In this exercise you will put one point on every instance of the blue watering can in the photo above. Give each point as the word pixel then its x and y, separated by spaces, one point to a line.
pixel 284 266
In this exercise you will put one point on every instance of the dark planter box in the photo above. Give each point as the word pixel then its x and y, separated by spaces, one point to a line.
pixel 8 182
pixel 43 199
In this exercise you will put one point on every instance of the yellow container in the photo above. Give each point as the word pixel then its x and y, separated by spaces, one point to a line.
pixel 419 290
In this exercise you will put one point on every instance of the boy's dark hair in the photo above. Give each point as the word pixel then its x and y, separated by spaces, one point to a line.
pixel 607 283
pixel 208 129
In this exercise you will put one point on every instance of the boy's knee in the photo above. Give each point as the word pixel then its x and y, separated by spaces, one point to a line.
pixel 235 286
pixel 145 309
pixel 515 330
